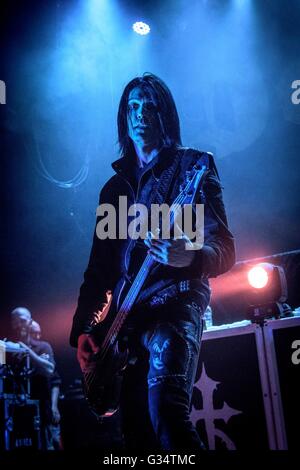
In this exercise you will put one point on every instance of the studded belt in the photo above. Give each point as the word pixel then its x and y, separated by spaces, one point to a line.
pixel 172 291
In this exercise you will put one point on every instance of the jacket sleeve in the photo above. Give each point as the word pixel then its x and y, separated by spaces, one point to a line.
pixel 98 279
pixel 218 252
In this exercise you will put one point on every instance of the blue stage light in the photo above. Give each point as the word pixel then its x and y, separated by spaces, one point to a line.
pixel 141 28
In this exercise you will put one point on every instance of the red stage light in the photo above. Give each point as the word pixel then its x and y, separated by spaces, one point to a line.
pixel 267 293
pixel 258 276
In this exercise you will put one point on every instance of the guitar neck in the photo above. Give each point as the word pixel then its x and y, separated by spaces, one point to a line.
pixel 143 273
pixel 131 296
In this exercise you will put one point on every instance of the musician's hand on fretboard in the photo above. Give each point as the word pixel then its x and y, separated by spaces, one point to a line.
pixel 172 252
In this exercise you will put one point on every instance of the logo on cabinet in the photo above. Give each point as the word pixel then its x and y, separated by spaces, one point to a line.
pixel 209 413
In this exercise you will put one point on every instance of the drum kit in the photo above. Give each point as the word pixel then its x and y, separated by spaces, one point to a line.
pixel 19 414
pixel 14 370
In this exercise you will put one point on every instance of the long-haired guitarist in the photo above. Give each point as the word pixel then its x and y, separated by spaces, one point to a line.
pixel 162 280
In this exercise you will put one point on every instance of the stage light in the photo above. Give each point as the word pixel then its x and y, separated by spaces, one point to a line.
pixel 141 28
pixel 267 283
pixel 258 277
pixel 267 292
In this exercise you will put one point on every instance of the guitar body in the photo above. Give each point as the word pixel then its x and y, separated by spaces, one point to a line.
pixel 102 383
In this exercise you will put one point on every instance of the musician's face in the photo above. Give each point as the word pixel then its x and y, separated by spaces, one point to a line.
pixel 20 323
pixel 142 118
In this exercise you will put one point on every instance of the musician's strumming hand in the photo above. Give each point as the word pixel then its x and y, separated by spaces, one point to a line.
pixel 87 347
pixel 172 252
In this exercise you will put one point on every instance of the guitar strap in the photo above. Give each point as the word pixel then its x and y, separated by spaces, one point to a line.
pixel 163 185
pixel 159 193
pixel 161 196
pixel 162 188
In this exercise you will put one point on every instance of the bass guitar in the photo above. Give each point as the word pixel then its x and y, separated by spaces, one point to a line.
pixel 102 380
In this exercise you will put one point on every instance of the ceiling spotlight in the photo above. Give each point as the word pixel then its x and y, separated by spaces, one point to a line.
pixel 141 28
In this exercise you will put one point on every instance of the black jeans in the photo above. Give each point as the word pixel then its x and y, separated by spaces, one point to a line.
pixel 158 384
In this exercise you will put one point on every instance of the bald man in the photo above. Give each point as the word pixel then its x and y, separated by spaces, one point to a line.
pixel 35 330
pixel 20 323
pixel 42 365
pixel 41 355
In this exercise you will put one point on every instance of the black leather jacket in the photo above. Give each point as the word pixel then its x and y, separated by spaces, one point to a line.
pixel 107 258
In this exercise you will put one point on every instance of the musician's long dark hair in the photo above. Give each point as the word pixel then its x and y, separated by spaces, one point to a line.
pixel 167 112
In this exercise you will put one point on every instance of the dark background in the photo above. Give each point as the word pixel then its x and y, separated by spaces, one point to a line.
pixel 230 66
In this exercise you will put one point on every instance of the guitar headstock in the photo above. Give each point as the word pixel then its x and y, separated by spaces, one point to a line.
pixel 193 180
